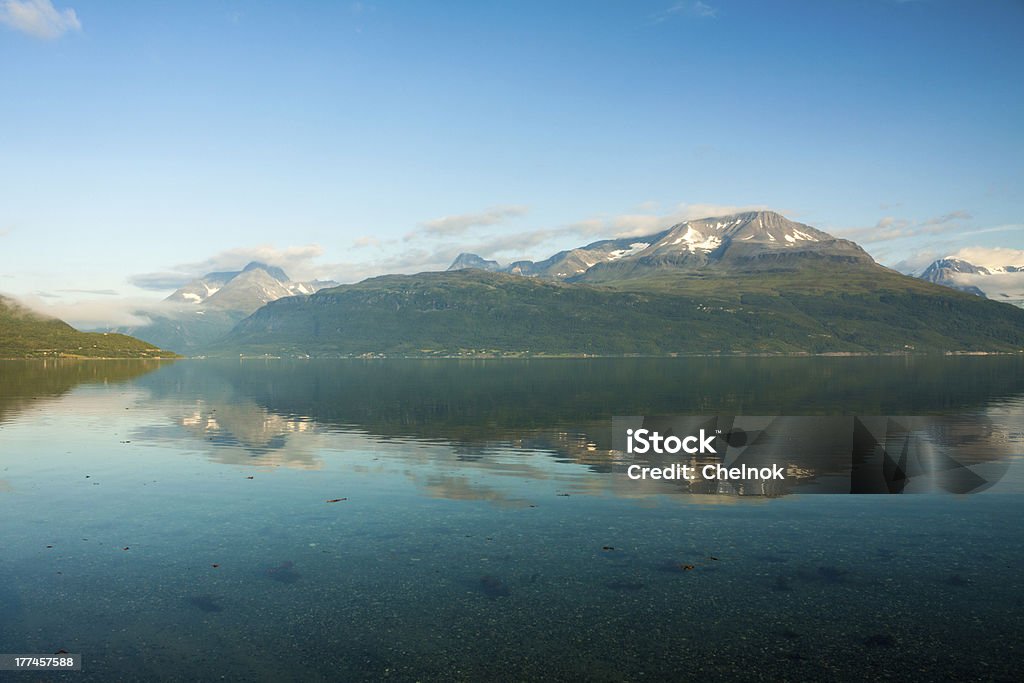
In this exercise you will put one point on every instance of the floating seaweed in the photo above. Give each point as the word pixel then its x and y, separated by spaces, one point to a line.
pixel 283 573
pixel 207 603
pixel 493 587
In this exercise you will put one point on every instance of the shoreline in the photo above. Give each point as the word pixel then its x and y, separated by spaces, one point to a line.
pixel 528 356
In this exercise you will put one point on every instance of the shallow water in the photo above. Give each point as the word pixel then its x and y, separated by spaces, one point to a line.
pixel 422 520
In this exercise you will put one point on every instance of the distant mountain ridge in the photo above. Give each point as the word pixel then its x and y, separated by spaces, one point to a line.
pixel 205 309
pixel 746 283
pixel 245 289
pixel 997 282
pixel 749 240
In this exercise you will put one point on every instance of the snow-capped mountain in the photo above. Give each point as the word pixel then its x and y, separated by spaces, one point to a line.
pixel 999 282
pixel 244 290
pixel 208 307
pixel 747 240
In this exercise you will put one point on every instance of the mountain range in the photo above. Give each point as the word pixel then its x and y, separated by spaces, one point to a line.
pixel 748 241
pixel 205 309
pixel 243 290
pixel 1000 282
pixel 752 282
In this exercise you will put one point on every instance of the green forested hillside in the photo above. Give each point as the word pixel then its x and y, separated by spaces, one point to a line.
pixel 841 309
pixel 25 334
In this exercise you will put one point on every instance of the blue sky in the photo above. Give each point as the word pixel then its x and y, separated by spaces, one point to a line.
pixel 145 142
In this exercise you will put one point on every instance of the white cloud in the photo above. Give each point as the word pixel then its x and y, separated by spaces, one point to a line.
pixel 913 264
pixel 987 257
pixel 159 282
pixel 636 224
pixel 1012 227
pixel 38 18
pixel 365 241
pixel 891 228
pixel 460 223
pixel 94 292
pixel 297 262
pixel 1005 287
pixel 91 313
pixel 991 256
pixel 949 218
pixel 692 8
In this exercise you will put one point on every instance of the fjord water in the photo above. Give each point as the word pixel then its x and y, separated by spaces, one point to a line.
pixel 465 520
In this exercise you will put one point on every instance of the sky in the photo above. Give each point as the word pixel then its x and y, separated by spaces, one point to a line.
pixel 145 143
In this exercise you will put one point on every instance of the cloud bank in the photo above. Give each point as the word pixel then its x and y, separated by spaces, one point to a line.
pixel 38 18
pixel 90 313
pixel 636 224
pixel 991 256
pixel 890 228
pixel 687 8
pixel 296 261
pixel 460 223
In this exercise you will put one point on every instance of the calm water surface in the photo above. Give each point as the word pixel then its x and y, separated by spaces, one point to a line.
pixel 172 522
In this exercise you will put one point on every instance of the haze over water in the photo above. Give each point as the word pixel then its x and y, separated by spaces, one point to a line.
pixel 351 520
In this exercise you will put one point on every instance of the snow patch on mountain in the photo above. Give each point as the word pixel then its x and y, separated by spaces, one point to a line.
pixel 634 248
pixel 244 290
pixel 724 241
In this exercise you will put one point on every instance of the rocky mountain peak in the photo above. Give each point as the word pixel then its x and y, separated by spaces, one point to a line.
pixel 273 271
pixel 467 260
pixel 750 239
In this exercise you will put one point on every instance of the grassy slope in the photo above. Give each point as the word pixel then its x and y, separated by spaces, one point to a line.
pixel 24 334
pixel 843 309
